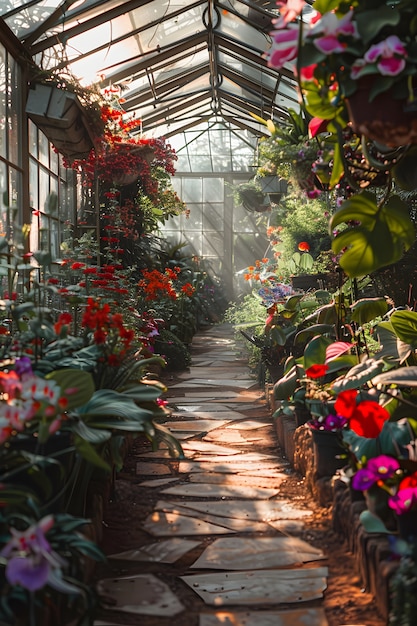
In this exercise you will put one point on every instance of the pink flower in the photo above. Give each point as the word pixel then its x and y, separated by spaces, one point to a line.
pixel 387 55
pixel 288 11
pixel 284 46
pixel 331 27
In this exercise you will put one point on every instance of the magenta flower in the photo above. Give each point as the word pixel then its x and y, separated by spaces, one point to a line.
pixel 288 11
pixel 378 468
pixel 389 56
pixel 404 500
pixel 284 46
pixel 31 562
pixel 331 27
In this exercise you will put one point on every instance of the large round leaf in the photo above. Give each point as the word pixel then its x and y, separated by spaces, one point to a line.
pixel 403 376
pixel 77 386
pixel 404 324
pixel 367 309
pixel 379 239
pixel 315 351
pixel 359 375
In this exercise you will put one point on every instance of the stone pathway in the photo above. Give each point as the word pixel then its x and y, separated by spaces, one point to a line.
pixel 220 511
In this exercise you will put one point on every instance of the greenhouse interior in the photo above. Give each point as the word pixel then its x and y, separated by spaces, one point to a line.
pixel 208 312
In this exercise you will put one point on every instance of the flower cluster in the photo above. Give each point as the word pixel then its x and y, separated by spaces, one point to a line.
pixel 108 330
pixel 168 285
pixel 119 158
pixel 27 398
pixel 343 42
pixel 386 472
pixel 31 561
pixel 274 294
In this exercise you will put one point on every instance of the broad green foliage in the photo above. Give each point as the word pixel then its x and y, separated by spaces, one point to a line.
pixel 374 235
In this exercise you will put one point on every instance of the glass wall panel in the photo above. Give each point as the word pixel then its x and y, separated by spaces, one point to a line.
pixel 3 95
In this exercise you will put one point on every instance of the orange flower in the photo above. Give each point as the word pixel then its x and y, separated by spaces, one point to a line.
pixel 303 246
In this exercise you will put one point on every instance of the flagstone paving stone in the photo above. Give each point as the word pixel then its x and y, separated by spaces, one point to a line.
pixel 261 587
pixel 242 553
pixel 219 414
pixel 218 509
pixel 249 425
pixel 235 479
pixel 233 466
pixel 162 524
pixel 241 383
pixel 233 437
pixel 166 551
pixel 195 425
pixel 173 509
pixel 256 510
pixel 158 482
pixel 152 469
pixel 142 594
pixel 297 617
pixel 210 448
pixel 220 491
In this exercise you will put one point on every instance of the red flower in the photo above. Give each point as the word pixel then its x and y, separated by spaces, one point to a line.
pixel 303 246
pixel 366 418
pixel 317 370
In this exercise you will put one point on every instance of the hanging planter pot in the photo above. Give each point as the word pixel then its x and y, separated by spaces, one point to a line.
pixel 60 116
pixel 388 120
pixel 124 163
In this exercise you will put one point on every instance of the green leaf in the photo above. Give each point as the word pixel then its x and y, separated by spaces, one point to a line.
pixel 402 376
pixel 393 435
pixel 380 239
pixel 367 309
pixel 312 331
pixel 338 166
pixel 404 324
pixel 285 386
pixel 372 523
pixel 277 335
pixel 89 433
pixel 371 22
pixel 142 392
pixel 392 348
pixel 44 258
pixel 315 351
pixel 77 386
pixel 323 6
pixel 291 303
pixel 359 375
pixel 87 451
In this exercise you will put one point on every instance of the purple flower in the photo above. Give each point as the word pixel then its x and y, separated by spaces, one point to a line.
pixel 334 422
pixel 23 366
pixel 404 500
pixel 31 562
pixel 379 468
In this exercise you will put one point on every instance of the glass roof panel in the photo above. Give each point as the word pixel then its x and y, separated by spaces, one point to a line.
pixel 192 70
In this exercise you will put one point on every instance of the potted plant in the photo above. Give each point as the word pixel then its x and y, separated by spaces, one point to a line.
pixel 362 49
pixel 346 45
pixel 251 197
pixel 68 113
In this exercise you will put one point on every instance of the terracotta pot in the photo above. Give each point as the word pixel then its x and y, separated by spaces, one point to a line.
pixel 386 119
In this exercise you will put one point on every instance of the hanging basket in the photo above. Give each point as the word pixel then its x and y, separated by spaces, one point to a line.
pixel 388 120
pixel 124 163
pixel 61 117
